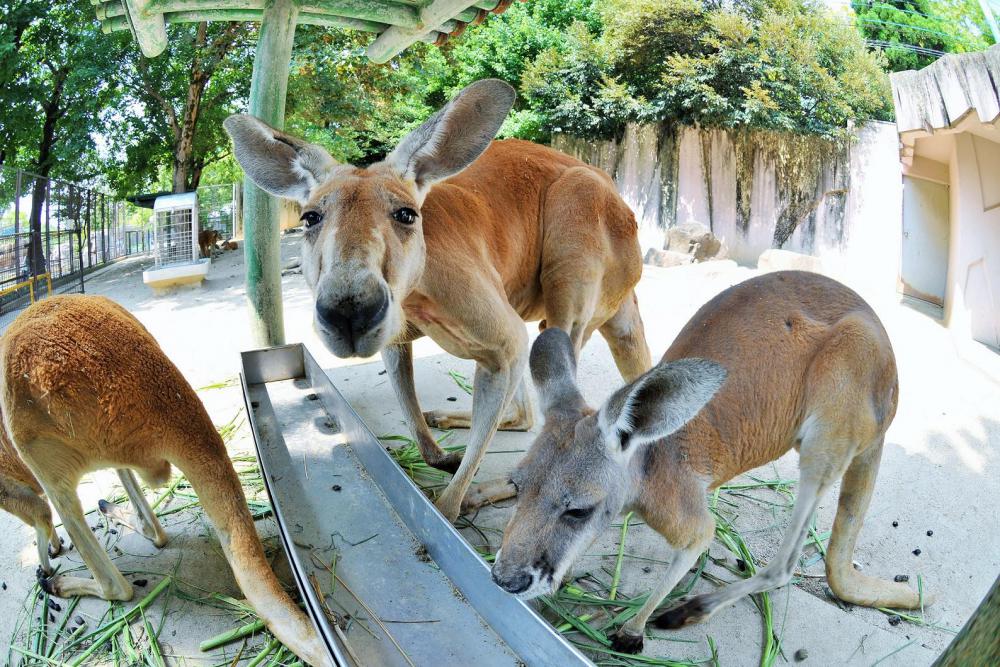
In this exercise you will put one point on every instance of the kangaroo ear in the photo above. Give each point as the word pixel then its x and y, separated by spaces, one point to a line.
pixel 553 370
pixel 659 402
pixel 452 139
pixel 276 162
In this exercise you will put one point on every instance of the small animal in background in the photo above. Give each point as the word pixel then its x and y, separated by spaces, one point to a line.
pixel 788 359
pixel 207 240
pixel 460 238
pixel 84 386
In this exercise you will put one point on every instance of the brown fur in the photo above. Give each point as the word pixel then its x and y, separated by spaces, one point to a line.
pixel 462 239
pixel 832 396
pixel 207 240
pixel 584 237
pixel 808 365
pixel 85 386
pixel 21 495
pixel 823 336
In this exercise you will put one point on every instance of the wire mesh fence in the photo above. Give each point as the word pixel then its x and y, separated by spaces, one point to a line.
pixel 52 233
pixel 218 208
pixel 175 236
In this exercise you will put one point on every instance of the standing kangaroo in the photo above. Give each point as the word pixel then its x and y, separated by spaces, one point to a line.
pixel 84 386
pixel 792 359
pixel 462 239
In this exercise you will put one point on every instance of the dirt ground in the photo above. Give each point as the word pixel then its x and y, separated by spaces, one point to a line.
pixel 940 472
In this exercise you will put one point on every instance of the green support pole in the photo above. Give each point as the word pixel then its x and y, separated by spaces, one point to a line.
pixel 261 212
pixel 991 19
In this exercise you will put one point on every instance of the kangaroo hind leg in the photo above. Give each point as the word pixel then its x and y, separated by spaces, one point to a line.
pixel 626 336
pixel 60 487
pixel 847 583
pixel 23 502
pixel 144 520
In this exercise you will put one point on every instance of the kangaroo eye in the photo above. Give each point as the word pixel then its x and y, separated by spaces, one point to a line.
pixel 404 216
pixel 311 219
pixel 579 513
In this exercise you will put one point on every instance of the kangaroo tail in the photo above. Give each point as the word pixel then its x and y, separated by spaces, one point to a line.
pixel 214 479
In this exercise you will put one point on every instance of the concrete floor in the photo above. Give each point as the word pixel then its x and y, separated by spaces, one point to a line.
pixel 940 472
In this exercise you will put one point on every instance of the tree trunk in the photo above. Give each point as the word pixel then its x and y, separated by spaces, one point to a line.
pixel 207 57
pixel 53 112
pixel 184 141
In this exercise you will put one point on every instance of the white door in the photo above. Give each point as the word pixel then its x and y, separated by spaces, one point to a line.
pixel 924 265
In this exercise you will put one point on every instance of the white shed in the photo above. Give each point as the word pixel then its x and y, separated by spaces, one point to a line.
pixel 176 252
pixel 947 115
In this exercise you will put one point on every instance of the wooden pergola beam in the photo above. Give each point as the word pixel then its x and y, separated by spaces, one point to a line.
pixel 148 27
pixel 395 39
pixel 117 23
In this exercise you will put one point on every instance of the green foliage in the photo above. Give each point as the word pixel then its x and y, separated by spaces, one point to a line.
pixel 573 89
pixel 913 33
pixel 580 66
pixel 778 64
pixel 56 81
pixel 210 63
pixel 360 110
pixel 357 109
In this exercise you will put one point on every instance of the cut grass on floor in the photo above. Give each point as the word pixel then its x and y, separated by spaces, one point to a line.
pixel 584 616
pixel 589 609
pixel 58 633
pixel 462 381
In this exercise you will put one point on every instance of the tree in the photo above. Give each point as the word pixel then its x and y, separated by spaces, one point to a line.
pixel 18 17
pixel 777 64
pixel 915 33
pixel 360 110
pixel 60 80
pixel 172 118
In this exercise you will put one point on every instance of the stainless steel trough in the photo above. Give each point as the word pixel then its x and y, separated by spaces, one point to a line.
pixel 407 589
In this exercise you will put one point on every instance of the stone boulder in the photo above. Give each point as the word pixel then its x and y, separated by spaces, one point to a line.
pixel 776 259
pixel 667 258
pixel 696 240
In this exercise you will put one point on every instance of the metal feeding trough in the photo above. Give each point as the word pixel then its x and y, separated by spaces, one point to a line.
pixel 385 578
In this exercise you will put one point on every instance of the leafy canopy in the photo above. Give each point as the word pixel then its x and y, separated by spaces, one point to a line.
pixel 776 64
pixel 914 33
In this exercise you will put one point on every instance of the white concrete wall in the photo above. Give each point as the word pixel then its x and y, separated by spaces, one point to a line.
pixel 972 299
pixel 752 188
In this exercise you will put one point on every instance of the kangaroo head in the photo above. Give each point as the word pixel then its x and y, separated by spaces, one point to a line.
pixel 586 466
pixel 363 247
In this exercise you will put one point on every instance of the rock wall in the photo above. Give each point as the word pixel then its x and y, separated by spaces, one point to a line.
pixel 759 189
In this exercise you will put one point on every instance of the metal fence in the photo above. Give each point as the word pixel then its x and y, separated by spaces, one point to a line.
pixel 175 236
pixel 52 233
pixel 218 208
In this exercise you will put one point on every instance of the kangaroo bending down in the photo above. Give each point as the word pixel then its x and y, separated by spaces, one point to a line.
pixel 788 359
pixel 462 239
pixel 84 386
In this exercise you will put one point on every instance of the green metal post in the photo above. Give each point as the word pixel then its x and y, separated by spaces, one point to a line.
pixel 991 19
pixel 261 212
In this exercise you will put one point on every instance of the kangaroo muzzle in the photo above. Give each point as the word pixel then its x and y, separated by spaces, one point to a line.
pixel 352 326
pixel 524 579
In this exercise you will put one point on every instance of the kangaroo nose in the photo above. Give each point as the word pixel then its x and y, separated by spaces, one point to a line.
pixel 518 583
pixel 335 318
pixel 351 318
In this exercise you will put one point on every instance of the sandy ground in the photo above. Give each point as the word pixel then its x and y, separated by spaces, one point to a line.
pixel 940 472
